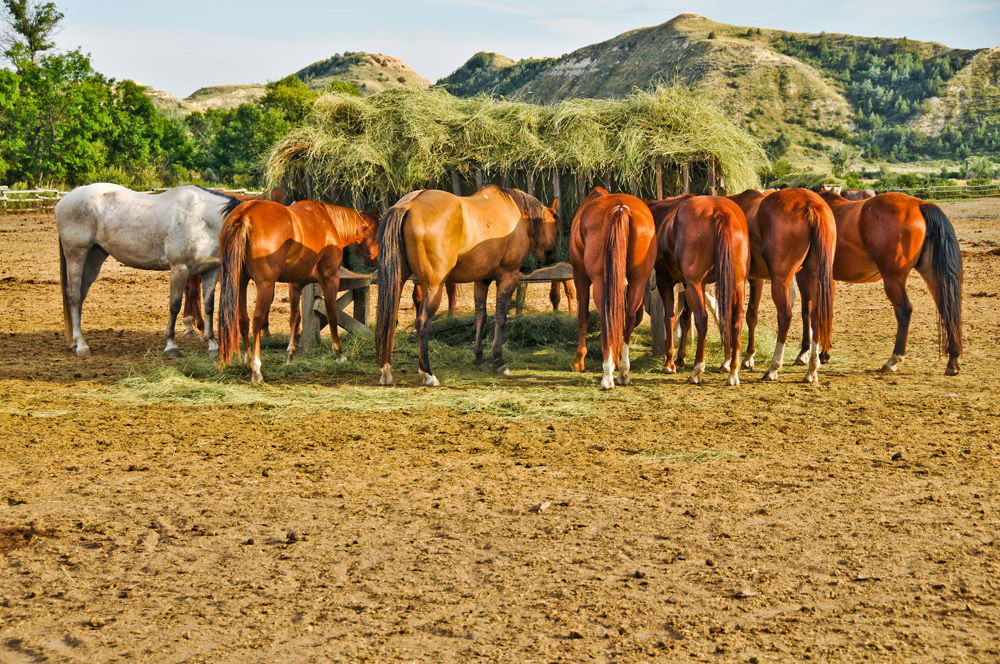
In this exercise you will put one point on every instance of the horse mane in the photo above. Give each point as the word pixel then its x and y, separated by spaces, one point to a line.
pixel 233 201
pixel 529 206
pixel 348 222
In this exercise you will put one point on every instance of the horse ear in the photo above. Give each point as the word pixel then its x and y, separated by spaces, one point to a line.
pixel 555 206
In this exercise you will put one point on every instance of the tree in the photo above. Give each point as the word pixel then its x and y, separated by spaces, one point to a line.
pixel 29 26
pixel 843 158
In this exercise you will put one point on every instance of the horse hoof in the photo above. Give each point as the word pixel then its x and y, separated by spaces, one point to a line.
pixel 341 358
pixel 83 352
pixel 190 333
pixel 257 380
pixel 624 380
pixel 213 352
pixel 747 364
pixel 769 376
pixel 172 353
pixel 811 378
pixel 608 385
pixel 887 369
pixel 802 360
pixel 667 369
pixel 502 370
pixel 579 367
pixel 289 358
pixel 733 380
pixel 431 381
pixel 694 380
pixel 481 365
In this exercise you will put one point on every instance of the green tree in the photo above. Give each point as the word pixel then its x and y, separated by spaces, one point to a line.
pixel 843 158
pixel 291 97
pixel 28 28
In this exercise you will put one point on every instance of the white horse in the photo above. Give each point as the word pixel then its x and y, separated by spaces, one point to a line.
pixel 177 230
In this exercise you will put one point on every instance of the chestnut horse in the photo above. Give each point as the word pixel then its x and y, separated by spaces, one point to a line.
pixel 792 235
pixel 884 238
pixel 298 245
pixel 439 237
pixel 612 247
pixel 702 239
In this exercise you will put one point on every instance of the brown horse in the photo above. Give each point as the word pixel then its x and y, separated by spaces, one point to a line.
pixel 884 238
pixel 439 237
pixel 298 245
pixel 792 235
pixel 702 239
pixel 612 246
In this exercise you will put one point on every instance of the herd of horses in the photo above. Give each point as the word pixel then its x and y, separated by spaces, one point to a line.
pixel 617 242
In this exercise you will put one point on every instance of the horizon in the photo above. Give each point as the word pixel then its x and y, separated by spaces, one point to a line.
pixel 170 52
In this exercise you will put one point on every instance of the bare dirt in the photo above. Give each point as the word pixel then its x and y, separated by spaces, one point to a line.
pixel 854 520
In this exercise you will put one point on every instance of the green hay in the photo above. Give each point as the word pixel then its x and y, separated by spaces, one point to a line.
pixel 391 143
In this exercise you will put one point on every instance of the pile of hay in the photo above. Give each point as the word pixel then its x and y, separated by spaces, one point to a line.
pixel 402 139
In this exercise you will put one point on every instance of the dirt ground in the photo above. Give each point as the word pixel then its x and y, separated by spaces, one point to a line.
pixel 852 521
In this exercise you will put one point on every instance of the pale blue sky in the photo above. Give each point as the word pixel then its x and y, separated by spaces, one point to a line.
pixel 182 45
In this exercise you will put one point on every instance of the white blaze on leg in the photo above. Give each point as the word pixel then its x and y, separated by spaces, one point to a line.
pixel 748 362
pixel 892 364
pixel 623 377
pixel 812 373
pixel 290 351
pixel 695 377
pixel 608 381
pixel 430 380
pixel 776 362
pixel 171 350
pixel 189 328
pixel 734 371
pixel 256 376
pixel 386 377
pixel 213 348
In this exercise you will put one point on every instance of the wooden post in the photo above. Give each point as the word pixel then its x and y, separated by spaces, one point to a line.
pixel 711 176
pixel 309 188
pixel 656 316
pixel 607 179
pixel 357 202
pixel 479 179
pixel 686 177
pixel 334 196
pixel 658 167
pixel 361 305
pixel 529 185
pixel 505 181
pixel 581 188
pixel 634 186
pixel 310 321
pixel 556 184
pixel 456 184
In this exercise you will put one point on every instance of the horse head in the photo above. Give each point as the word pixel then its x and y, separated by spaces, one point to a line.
pixel 368 245
pixel 546 232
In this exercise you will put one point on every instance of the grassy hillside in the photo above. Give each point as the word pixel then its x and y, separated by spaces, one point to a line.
pixel 221 97
pixel 371 72
pixel 800 93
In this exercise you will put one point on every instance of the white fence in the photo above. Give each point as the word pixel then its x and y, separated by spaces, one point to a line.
pixel 954 191
pixel 44 200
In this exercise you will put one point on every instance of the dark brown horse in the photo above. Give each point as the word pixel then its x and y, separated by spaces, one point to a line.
pixel 792 235
pixel 703 239
pixel 439 237
pixel 612 246
pixel 886 237
pixel 298 245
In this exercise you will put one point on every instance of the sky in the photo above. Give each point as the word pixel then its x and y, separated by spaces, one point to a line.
pixel 182 45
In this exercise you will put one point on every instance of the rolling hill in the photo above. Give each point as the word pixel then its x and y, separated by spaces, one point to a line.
pixel 371 72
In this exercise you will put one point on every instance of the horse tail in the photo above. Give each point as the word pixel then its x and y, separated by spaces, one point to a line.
pixel 390 281
pixel 726 296
pixel 63 286
pixel 941 251
pixel 613 313
pixel 192 303
pixel 823 243
pixel 232 247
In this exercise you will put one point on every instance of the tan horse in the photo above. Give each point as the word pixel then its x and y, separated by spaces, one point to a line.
pixel 439 237
pixel 298 245
pixel 792 235
pixel 886 237
pixel 702 239
pixel 612 246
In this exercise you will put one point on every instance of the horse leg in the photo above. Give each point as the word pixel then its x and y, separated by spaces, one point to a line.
pixel 241 306
pixel 506 285
pixel 753 308
pixel 808 287
pixel 452 290
pixel 633 316
pixel 571 299
pixel 696 305
pixel 178 279
pixel 554 295
pixel 265 295
pixel 779 293
pixel 208 280
pixel 712 307
pixel 294 319
pixel 665 288
pixel 482 289
pixel 684 318
pixel 329 281
pixel 418 299
pixel 428 307
pixel 582 283
pixel 895 289
pixel 81 272
pixel 192 319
